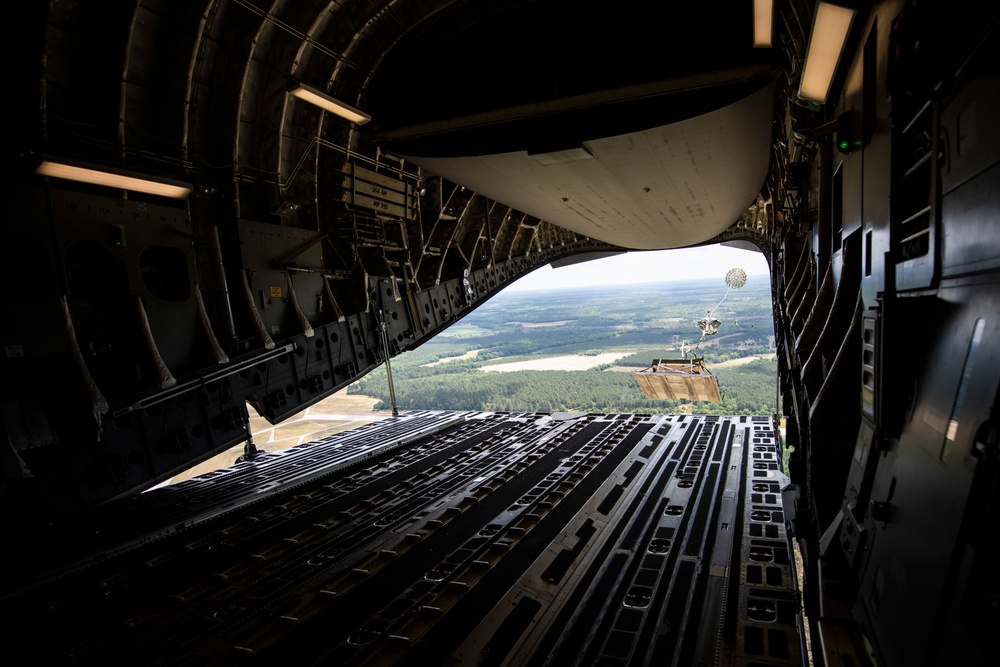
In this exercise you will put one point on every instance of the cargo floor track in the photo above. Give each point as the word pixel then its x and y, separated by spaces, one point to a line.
pixel 473 538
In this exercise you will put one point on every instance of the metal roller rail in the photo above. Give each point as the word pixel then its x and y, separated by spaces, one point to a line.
pixel 462 574
pixel 339 595
pixel 137 521
pixel 237 565
pixel 253 540
pixel 487 539
pixel 337 549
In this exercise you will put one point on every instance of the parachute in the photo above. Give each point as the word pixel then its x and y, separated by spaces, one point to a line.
pixel 689 379
pixel 709 325
pixel 736 278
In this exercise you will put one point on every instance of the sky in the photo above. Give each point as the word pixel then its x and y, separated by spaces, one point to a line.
pixel 647 267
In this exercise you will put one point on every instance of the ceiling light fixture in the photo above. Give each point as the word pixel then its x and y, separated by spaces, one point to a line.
pixel 324 101
pixel 115 178
pixel 763 10
pixel 831 26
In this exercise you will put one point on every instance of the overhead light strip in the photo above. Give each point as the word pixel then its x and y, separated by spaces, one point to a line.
pixel 114 178
pixel 763 11
pixel 831 25
pixel 334 106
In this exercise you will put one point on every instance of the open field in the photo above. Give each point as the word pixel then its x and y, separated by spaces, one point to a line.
pixel 716 341
pixel 464 330
pixel 536 325
pixel 743 360
pixel 471 354
pixel 567 362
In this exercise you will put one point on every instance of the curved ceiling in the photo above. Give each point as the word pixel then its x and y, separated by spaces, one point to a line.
pixel 664 96
pixel 666 187
pixel 646 126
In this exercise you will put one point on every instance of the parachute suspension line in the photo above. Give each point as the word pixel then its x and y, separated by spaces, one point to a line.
pixel 735 279
pixel 689 378
pixel 709 325
pixel 720 301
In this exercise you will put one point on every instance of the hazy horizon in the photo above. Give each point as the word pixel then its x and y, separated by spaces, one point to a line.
pixel 646 266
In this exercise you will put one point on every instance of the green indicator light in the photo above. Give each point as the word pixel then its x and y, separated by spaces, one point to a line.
pixel 857 142
pixel 843 144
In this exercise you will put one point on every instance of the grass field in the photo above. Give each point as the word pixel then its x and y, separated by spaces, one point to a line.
pixel 566 362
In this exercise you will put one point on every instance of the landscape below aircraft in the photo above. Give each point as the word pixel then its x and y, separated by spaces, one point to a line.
pixel 223 203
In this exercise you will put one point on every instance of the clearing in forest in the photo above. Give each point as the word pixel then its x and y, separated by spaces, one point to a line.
pixel 567 362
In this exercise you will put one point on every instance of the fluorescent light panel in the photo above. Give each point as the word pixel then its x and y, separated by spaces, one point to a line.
pixel 762 22
pixel 324 101
pixel 829 34
pixel 115 179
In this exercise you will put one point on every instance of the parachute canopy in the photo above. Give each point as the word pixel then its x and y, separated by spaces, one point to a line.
pixel 736 278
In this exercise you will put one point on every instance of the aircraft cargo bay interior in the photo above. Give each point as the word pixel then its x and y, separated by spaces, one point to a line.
pixel 219 208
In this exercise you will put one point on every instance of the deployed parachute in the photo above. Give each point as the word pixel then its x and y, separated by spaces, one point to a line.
pixel 709 325
pixel 736 278
pixel 689 379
